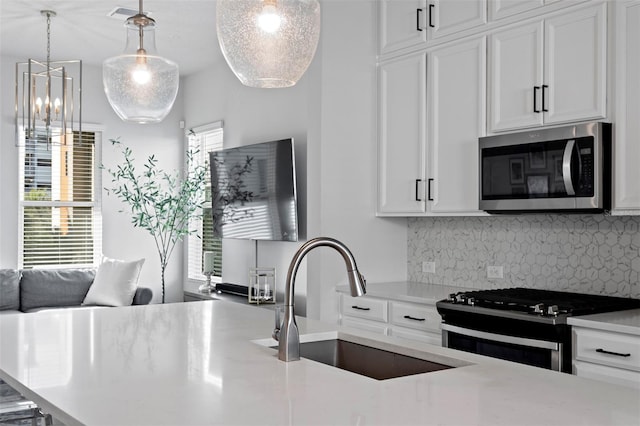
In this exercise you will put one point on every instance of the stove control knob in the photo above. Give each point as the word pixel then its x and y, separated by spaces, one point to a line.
pixel 538 308
pixel 552 310
pixel 471 301
pixel 452 297
pixel 460 298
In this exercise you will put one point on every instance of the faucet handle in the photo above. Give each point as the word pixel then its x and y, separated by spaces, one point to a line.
pixel 276 330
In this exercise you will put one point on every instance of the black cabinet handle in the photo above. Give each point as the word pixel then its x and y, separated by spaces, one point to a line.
pixel 544 87
pixel 429 189
pixel 417 186
pixel 418 11
pixel 431 6
pixel 360 308
pixel 409 317
pixel 535 99
pixel 602 351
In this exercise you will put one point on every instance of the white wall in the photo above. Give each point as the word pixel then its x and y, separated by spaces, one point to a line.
pixel 254 115
pixel 330 113
pixel 332 110
pixel 347 159
pixel 120 239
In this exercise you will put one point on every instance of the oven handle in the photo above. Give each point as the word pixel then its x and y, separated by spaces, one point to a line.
pixel 566 167
pixel 522 341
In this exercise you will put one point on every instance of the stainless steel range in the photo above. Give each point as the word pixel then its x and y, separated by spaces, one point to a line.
pixel 520 324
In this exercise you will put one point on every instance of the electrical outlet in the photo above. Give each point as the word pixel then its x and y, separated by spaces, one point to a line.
pixel 429 267
pixel 495 272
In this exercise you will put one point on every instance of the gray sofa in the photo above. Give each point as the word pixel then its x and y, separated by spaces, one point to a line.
pixel 31 290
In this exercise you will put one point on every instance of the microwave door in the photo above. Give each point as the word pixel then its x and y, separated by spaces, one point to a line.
pixel 567 168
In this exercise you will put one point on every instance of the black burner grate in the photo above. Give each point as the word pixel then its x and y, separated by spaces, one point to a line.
pixel 526 299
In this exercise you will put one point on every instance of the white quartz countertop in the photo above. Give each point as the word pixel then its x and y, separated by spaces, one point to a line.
pixel 619 322
pixel 408 291
pixel 198 363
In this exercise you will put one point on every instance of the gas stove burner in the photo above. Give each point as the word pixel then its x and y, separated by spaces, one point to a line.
pixel 544 303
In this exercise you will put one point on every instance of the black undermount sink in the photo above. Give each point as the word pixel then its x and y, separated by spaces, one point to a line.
pixel 365 360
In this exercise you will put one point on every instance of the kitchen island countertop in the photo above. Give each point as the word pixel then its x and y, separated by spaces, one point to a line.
pixel 207 363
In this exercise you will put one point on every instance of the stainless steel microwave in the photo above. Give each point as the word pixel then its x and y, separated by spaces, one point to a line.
pixel 564 169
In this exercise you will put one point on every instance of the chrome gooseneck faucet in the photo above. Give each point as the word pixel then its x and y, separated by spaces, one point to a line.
pixel 287 334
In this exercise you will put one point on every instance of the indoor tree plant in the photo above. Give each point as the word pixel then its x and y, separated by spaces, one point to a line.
pixel 162 203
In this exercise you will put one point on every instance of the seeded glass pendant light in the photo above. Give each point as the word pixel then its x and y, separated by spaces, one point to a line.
pixel 268 43
pixel 140 85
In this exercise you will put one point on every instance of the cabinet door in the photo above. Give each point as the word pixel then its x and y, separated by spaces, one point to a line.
pixel 456 108
pixel 401 24
pixel 575 65
pixel 401 135
pixel 446 17
pixel 502 8
pixel 627 128
pixel 515 77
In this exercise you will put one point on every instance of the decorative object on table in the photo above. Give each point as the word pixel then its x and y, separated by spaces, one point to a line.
pixel 262 285
pixel 208 269
pixel 268 43
pixel 115 283
pixel 141 86
pixel 160 202
pixel 48 94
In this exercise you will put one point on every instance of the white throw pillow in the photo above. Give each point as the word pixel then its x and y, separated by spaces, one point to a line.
pixel 115 283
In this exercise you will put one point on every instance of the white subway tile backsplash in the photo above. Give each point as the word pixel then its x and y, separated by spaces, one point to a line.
pixel 594 254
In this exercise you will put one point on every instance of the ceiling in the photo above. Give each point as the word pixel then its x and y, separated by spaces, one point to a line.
pixel 185 30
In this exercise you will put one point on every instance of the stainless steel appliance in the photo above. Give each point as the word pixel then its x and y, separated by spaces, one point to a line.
pixel 520 324
pixel 558 169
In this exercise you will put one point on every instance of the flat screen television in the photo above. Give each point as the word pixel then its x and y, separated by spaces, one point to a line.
pixel 253 192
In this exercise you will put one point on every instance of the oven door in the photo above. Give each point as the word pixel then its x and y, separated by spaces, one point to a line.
pixel 538 353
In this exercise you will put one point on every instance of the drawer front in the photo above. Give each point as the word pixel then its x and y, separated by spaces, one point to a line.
pixel 374 327
pixel 364 307
pixel 427 337
pixel 607 348
pixel 420 317
pixel 603 373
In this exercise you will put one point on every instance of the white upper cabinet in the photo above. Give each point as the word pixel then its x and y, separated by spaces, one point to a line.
pixel 456 72
pixel 576 65
pixel 428 156
pixel 515 70
pixel 401 24
pixel 626 198
pixel 410 23
pixel 549 71
pixel 446 17
pixel 499 9
pixel 402 115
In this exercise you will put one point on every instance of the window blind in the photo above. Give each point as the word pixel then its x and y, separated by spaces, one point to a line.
pixel 59 201
pixel 204 140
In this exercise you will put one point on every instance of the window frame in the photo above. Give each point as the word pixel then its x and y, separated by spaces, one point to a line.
pixel 193 240
pixel 96 204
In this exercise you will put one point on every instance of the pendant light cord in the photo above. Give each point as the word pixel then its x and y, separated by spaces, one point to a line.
pixel 140 29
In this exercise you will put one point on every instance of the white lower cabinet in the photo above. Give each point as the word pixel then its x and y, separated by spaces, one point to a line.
pixel 607 356
pixel 400 319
